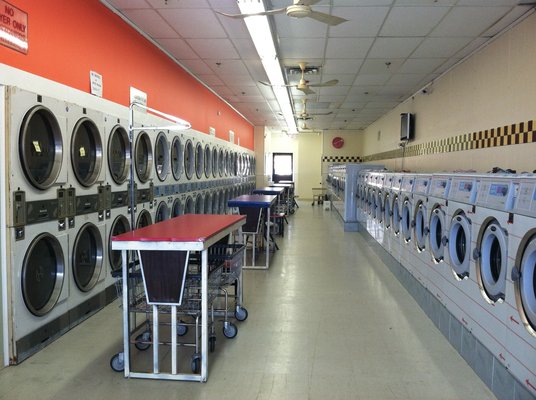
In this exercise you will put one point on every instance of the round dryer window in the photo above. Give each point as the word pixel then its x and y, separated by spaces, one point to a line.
pixel 214 162
pixel 421 230
pixel 40 147
pixel 207 206
pixel 199 160
pixel 120 225
pixel 406 220
pixel 43 271
pixel 208 161
pixel 144 219
pixel 221 162
pixel 396 216
pixel 189 159
pixel 162 212
pixel 86 152
pixel 161 154
pixel 189 206
pixel 460 245
pixel 199 200
pixel 177 158
pixel 215 202
pixel 226 163
pixel 87 257
pixel 144 157
pixel 491 265
pixel 387 211
pixel 525 284
pixel 176 209
pixel 119 154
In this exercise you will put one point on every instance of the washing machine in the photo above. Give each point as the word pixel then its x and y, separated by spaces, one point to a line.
pixel 215 161
pixel 87 256
pixel 38 154
pixel 189 203
pixel 437 218
pixel 396 212
pixel 177 157
pixel 163 209
pixel 521 284
pixel 189 159
pixel 406 221
pixel 118 223
pixel 419 249
pixel 177 208
pixel 215 201
pixel 208 161
pixel 162 157
pixel 386 205
pixel 199 160
pixel 39 287
pixel 118 153
pixel 207 204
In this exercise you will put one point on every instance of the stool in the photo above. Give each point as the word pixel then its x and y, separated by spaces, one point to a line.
pixel 279 219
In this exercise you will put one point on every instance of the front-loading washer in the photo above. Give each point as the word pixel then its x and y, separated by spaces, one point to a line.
pixel 215 201
pixel 163 209
pixel 162 157
pixel 208 161
pixel 118 153
pixel 386 205
pixel 207 204
pixel 189 159
pixel 38 156
pixel 87 256
pixel 177 157
pixel 199 160
pixel 520 291
pixel 118 223
pixel 39 286
pixel 406 220
pixel 396 213
pixel 189 203
pixel 420 253
pixel 144 218
pixel 177 208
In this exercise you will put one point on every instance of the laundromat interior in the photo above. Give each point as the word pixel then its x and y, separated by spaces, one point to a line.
pixel 396 261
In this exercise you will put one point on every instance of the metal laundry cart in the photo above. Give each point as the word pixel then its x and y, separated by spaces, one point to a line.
pixel 164 255
pixel 318 195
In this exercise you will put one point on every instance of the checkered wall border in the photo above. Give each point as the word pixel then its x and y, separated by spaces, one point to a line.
pixel 520 133
pixel 342 159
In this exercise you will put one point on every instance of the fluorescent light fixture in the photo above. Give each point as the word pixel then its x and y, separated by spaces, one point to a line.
pixel 260 32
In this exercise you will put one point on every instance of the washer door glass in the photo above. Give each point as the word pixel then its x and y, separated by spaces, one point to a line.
pixel 86 152
pixel 387 211
pixel 177 208
pixel 526 285
pixel 214 162
pixel 221 163
pixel 119 154
pixel 493 260
pixel 207 206
pixel 177 158
pixel 437 227
pixel 162 212
pixel 144 157
pixel 215 203
pixel 223 202
pixel 43 271
pixel 420 227
pixel 144 219
pixel 189 159
pixel 40 147
pixel 379 208
pixel 87 257
pixel 161 153
pixel 396 216
pixel 406 220
pixel 119 225
pixel 460 245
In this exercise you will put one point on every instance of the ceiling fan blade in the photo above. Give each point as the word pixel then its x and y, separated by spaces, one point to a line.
pixel 306 2
pixel 333 82
pixel 269 84
pixel 269 12
pixel 326 18
pixel 305 90
pixel 327 113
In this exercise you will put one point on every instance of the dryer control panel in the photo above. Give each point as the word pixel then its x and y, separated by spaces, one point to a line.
pixel 496 194
pixel 463 189
pixel 439 187
pixel 525 202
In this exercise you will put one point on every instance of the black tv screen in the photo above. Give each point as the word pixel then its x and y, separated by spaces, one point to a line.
pixel 407 126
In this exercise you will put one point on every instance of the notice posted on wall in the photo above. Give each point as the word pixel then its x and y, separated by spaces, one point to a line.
pixel 96 83
pixel 231 136
pixel 13 27
pixel 137 96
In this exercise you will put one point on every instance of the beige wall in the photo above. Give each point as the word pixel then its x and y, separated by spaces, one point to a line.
pixel 493 88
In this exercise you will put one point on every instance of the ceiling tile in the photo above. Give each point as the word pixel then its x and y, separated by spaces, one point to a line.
pixel 399 47
pixel 302 48
pixel 474 45
pixel 168 4
pixel 407 80
pixel 246 49
pixel 371 79
pixel 178 48
pixel 348 47
pixel 299 28
pixel 440 47
pixel 412 21
pixel 468 21
pixel 195 23
pixel 344 79
pixel 362 21
pixel 333 90
pixel 381 65
pixel 197 67
pixel 420 65
pixel 335 66
pixel 228 67
pixel 127 4
pixel 151 23
pixel 211 80
pixel 221 49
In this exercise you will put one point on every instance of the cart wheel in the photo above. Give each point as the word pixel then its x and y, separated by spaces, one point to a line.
pixel 181 329
pixel 230 330
pixel 196 363
pixel 141 341
pixel 212 343
pixel 241 314
pixel 117 362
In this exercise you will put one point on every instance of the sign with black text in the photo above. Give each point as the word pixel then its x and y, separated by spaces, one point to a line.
pixel 13 27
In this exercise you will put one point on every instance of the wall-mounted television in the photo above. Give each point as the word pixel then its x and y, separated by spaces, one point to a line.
pixel 407 126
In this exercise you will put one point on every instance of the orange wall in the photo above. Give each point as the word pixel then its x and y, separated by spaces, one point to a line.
pixel 69 38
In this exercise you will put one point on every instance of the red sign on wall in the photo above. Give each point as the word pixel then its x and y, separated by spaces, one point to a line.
pixel 13 27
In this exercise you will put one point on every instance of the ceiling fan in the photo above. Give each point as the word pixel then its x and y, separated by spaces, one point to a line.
pixel 305 116
pixel 304 85
pixel 299 9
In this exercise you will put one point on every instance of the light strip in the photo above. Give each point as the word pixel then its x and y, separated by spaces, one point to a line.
pixel 260 32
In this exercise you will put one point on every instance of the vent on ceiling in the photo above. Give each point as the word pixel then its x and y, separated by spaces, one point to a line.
pixel 309 70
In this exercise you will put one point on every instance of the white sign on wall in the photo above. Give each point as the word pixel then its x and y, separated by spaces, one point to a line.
pixel 231 136
pixel 95 80
pixel 138 96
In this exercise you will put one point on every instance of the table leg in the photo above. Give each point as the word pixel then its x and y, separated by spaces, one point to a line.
pixel 204 315
pixel 126 319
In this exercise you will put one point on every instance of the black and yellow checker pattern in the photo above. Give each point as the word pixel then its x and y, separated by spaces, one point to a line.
pixel 342 159
pixel 519 133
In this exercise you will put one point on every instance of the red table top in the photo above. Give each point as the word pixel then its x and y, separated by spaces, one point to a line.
pixel 184 228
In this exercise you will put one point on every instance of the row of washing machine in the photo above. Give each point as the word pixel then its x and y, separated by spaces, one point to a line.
pixel 470 239
pixel 68 172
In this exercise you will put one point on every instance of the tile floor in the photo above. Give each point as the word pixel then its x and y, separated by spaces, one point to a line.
pixel 327 321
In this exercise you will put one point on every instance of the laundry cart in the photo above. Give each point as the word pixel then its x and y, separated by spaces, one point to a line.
pixel 319 194
pixel 175 284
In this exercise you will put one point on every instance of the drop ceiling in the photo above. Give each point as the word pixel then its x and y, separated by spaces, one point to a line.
pixel 387 51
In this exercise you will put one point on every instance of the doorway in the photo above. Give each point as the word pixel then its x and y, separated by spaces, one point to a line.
pixel 282 167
